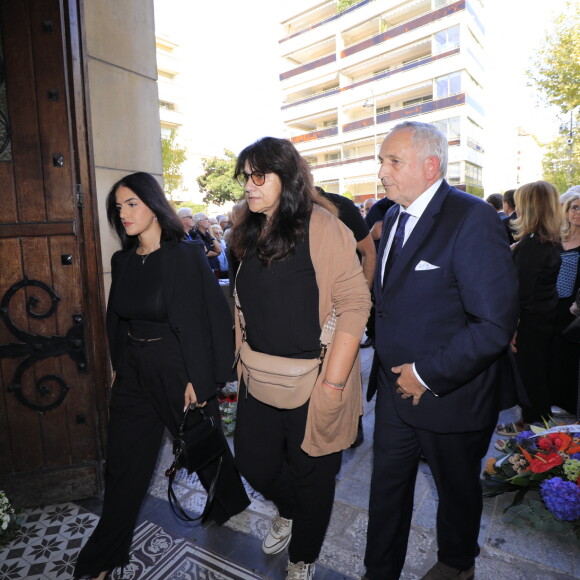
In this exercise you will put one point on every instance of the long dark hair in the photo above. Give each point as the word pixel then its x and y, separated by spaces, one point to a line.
pixel 289 223
pixel 148 190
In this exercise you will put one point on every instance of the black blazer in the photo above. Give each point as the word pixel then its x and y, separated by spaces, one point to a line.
pixel 450 306
pixel 198 315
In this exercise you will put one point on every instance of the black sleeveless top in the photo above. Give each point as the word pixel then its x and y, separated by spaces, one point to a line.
pixel 138 296
pixel 280 304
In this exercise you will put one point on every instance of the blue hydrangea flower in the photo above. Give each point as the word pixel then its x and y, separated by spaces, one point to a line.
pixel 562 498
pixel 524 439
pixel 575 456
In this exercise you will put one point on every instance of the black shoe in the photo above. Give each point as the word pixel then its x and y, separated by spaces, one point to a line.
pixel 368 342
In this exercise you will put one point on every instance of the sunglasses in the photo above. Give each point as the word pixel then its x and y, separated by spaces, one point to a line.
pixel 258 178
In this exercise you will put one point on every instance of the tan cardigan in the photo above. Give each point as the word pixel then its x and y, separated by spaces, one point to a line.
pixel 332 426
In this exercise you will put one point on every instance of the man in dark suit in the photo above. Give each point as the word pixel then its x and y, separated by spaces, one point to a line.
pixel 446 309
pixel 509 210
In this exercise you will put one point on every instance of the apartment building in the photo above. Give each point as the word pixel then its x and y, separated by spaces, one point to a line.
pixel 352 72
pixel 169 67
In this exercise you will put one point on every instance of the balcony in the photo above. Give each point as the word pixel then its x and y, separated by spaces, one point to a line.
pixel 325 14
pixel 404 27
pixel 423 61
pixel 393 115
pixel 403 13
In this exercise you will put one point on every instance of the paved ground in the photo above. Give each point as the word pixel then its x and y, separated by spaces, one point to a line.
pixel 508 551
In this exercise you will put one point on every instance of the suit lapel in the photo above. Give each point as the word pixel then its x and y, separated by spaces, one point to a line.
pixel 418 235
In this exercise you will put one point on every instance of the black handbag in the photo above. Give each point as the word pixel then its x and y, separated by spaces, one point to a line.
pixel 198 442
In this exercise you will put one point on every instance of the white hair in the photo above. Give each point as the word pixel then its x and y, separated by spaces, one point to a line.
pixel 428 140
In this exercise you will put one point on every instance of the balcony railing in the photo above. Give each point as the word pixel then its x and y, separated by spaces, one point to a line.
pixel 403 68
pixel 403 28
pixel 402 113
pixel 325 20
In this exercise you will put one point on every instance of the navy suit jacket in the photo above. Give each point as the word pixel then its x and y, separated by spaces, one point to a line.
pixel 454 321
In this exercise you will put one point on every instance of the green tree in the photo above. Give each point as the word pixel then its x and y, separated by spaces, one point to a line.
pixel 562 162
pixel 172 158
pixel 344 4
pixel 217 182
pixel 556 69
pixel 194 207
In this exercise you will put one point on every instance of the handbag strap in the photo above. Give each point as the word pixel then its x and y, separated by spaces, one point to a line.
pixel 174 504
pixel 326 333
pixel 177 508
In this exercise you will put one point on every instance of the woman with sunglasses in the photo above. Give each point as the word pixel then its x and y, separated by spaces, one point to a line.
pixel 171 343
pixel 565 354
pixel 297 264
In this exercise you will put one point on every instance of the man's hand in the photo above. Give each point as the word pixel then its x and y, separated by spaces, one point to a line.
pixel 407 384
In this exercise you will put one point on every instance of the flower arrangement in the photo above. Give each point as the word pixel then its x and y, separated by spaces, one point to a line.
pixel 546 460
pixel 10 521
pixel 228 402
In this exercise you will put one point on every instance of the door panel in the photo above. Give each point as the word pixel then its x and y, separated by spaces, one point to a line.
pixel 52 401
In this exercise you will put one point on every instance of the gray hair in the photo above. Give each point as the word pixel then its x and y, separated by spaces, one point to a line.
pixel 198 217
pixel 428 141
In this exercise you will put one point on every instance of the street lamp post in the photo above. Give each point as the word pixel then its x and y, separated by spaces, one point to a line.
pixel 373 104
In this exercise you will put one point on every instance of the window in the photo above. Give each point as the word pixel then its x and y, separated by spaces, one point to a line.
pixel 417 101
pixel 331 157
pixel 472 173
pixel 448 85
pixel 447 39
pixel 453 173
pixel 332 123
pixel 167 105
pixel 381 110
pixel 451 128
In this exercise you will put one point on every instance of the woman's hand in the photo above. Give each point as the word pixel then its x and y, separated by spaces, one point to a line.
pixel 190 398
pixel 574 309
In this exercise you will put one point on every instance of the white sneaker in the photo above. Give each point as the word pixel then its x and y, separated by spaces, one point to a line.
pixel 278 536
pixel 299 571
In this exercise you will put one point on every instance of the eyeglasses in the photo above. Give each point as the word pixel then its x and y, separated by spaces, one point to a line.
pixel 574 208
pixel 258 178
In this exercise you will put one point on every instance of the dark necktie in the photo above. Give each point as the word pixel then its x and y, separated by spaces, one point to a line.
pixel 396 246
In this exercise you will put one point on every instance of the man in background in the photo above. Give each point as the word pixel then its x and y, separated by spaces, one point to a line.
pixel 212 246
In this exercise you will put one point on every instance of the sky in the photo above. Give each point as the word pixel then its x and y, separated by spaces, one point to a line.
pixel 232 82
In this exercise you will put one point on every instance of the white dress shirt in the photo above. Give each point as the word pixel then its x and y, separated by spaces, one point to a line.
pixel 415 211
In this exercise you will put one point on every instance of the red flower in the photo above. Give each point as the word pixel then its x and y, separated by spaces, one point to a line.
pixel 542 463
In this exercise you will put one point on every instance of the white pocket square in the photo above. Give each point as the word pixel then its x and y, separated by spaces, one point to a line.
pixel 422 265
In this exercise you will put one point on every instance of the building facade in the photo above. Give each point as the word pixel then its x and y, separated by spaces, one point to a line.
pixel 349 75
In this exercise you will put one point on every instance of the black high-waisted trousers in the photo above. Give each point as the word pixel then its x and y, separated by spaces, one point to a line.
pixel 146 398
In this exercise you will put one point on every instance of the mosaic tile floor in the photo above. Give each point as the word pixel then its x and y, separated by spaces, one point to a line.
pixel 50 539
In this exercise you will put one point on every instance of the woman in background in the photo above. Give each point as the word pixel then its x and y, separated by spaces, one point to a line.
pixel 565 354
pixel 298 262
pixel 171 344
pixel 537 258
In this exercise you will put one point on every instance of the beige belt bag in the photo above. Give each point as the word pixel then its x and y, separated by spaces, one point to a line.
pixel 282 382
pixel 286 383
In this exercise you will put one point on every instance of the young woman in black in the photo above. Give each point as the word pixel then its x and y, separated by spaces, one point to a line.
pixel 171 343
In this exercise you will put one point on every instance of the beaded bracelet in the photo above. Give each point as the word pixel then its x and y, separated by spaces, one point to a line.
pixel 334 386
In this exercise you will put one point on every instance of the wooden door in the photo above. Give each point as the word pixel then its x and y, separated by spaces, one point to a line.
pixel 52 361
